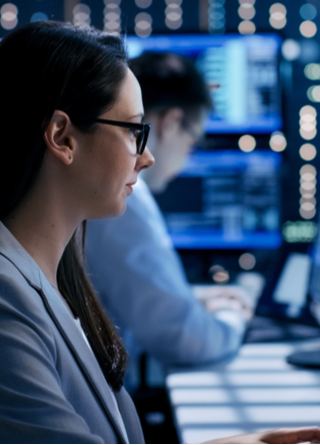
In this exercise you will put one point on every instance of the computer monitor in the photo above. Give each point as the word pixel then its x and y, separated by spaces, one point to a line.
pixel 245 67
pixel 225 200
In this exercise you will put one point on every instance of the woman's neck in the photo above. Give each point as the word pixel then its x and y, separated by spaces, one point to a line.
pixel 43 229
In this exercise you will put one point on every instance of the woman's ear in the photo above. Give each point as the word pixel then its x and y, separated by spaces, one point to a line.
pixel 58 137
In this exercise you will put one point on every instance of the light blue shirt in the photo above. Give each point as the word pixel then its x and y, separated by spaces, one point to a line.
pixel 142 285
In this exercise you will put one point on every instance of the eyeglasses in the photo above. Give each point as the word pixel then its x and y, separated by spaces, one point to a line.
pixel 140 131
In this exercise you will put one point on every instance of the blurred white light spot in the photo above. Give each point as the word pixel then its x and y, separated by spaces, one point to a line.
pixel 9 24
pixel 307 206
pixel 307 186
pixel 308 29
pixel 81 7
pixel 308 109
pixel 277 23
pixel 173 2
pixel 308 135
pixel 173 24
pixel 307 214
pixel 277 141
pixel 112 3
pixel 247 2
pixel 246 11
pixel 308 168
pixel 9 8
pixel 278 8
pixel 112 26
pixel 143 17
pixel 9 13
pixel 313 93
pixel 304 200
pixel 291 49
pixel 308 177
pixel 307 193
pixel 308 118
pixel 112 16
pixel 308 152
pixel 143 3
pixel 247 143
pixel 247 261
pixel 174 16
pixel 246 27
pixel 308 126
pixel 312 71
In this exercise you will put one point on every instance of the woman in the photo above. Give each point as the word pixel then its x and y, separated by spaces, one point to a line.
pixel 72 147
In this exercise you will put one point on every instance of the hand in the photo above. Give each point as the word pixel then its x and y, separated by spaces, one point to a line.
pixel 233 298
pixel 283 435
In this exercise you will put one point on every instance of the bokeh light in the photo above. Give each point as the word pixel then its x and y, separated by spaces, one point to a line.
pixel 312 71
pixel 246 27
pixel 9 16
pixel 247 143
pixel 143 24
pixel 143 3
pixel 307 152
pixel 308 11
pixel 278 14
pixel 38 16
pixel 173 14
pixel 308 29
pixel 277 141
pixel 246 11
pixel 313 93
pixel 81 15
pixel 307 214
pixel 291 49
pixel 247 261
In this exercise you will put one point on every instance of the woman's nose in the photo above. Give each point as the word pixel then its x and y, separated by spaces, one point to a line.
pixel 146 160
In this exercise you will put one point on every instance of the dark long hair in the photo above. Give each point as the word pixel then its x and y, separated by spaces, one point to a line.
pixel 47 66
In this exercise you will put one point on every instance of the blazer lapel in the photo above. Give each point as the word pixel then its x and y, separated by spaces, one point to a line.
pixel 83 355
pixel 11 249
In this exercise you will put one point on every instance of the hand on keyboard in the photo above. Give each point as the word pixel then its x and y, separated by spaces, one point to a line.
pixel 233 298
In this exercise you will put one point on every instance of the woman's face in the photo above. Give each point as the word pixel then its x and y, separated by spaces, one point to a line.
pixel 107 165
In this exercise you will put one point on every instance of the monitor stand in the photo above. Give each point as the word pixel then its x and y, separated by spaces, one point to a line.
pixel 306 359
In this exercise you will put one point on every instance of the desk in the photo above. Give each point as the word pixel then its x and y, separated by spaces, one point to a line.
pixel 258 390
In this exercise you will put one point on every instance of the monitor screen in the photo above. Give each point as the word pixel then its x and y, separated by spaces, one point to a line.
pixel 244 66
pixel 225 199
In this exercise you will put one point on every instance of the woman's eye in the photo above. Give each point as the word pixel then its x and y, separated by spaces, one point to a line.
pixel 134 132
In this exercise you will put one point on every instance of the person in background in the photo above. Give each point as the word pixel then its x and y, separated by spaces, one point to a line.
pixel 132 263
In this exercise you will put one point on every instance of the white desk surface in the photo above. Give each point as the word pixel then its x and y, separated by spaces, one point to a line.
pixel 257 390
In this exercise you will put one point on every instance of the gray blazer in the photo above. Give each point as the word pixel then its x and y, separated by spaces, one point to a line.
pixel 52 389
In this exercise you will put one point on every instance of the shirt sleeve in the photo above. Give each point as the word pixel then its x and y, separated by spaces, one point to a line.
pixel 142 284
pixel 33 408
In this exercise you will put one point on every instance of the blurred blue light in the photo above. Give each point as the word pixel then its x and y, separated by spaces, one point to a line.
pixel 308 11
pixel 38 16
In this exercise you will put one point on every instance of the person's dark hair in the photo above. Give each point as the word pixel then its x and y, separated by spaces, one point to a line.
pixel 47 66
pixel 169 80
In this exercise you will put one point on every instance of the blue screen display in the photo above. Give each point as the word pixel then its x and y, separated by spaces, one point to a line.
pixel 225 200
pixel 244 66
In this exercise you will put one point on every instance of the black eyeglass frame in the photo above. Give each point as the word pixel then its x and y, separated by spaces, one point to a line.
pixel 141 140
